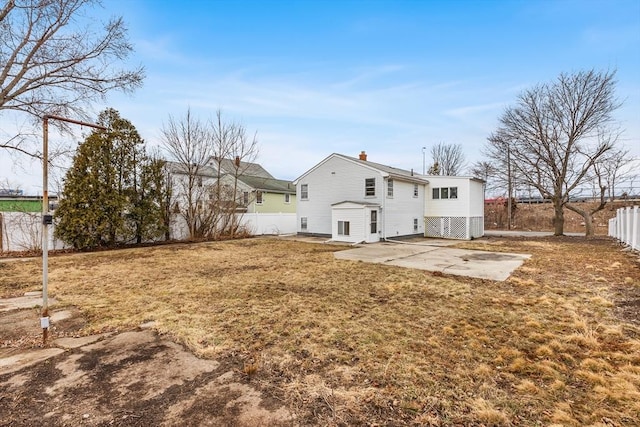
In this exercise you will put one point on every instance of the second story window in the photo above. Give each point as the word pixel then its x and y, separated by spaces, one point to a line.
pixel 304 191
pixel 390 188
pixel 287 198
pixel 370 187
pixel 415 190
pixel 259 197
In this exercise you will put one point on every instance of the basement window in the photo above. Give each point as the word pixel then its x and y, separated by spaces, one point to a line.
pixel 303 223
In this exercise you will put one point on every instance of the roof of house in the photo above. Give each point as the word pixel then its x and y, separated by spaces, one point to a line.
pixel 244 169
pixel 203 170
pixel 394 173
pixel 268 184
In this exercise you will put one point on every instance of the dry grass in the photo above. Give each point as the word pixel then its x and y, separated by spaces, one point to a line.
pixel 354 343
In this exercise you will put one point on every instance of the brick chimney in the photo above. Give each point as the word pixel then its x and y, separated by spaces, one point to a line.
pixel 363 156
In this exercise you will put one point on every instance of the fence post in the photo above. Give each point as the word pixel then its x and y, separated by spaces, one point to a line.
pixel 634 228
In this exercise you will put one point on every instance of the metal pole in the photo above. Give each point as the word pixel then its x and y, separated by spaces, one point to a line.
pixel 46 218
pixel 44 318
pixel 509 188
pixel 423 161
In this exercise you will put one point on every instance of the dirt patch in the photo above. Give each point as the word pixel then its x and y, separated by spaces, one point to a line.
pixel 135 378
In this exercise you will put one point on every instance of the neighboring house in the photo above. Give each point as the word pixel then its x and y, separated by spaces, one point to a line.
pixel 267 195
pixel 354 200
pixel 263 204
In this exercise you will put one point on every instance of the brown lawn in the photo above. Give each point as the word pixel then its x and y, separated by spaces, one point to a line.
pixel 350 343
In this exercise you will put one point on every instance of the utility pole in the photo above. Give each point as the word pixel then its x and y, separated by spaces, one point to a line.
pixel 47 218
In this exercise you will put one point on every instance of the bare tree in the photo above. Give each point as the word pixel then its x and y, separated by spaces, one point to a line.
pixel 51 65
pixel 602 177
pixel 187 141
pixel 448 159
pixel 616 166
pixel 210 159
pixel 555 134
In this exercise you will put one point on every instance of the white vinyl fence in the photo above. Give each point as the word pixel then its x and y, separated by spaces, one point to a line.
pixel 22 231
pixel 626 226
pixel 255 223
pixel 269 223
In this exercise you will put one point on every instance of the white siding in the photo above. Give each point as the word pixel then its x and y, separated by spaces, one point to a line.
pixel 400 210
pixel 476 198
pixel 448 207
pixel 357 223
pixel 336 180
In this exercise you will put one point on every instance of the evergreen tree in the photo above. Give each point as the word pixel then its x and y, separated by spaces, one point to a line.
pixel 104 189
pixel 149 199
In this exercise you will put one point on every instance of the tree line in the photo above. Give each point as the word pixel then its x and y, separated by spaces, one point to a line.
pixel 117 193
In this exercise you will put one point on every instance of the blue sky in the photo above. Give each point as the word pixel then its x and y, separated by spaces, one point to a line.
pixel 387 77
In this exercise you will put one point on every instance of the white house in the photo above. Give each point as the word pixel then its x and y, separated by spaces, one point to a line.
pixel 354 200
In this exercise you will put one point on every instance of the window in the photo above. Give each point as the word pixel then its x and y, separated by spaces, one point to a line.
pixel 390 188
pixel 287 198
pixel 374 222
pixel 343 228
pixel 415 224
pixel 303 223
pixel 259 197
pixel 245 198
pixel 370 187
pixel 415 190
pixel 445 193
pixel 304 191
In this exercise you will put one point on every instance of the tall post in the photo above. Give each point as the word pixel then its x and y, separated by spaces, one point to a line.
pixel 44 318
pixel 509 188
pixel 424 170
pixel 47 219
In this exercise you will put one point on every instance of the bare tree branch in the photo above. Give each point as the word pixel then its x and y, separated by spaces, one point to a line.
pixel 49 64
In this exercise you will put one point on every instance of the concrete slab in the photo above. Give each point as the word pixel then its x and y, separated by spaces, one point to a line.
pixel 27 301
pixel 462 262
pixel 18 361
pixel 68 343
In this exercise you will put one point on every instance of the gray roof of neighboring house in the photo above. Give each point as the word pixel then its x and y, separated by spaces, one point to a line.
pixel 244 169
pixel 393 172
pixel 180 168
pixel 268 184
